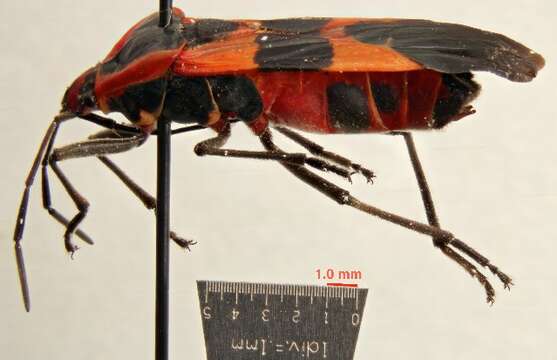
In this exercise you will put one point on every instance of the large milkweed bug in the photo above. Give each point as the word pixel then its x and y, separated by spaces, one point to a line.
pixel 321 75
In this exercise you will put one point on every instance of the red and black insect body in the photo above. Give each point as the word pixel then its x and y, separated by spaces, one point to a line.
pixel 313 74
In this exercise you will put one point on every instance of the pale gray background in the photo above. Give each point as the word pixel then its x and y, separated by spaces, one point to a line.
pixel 492 175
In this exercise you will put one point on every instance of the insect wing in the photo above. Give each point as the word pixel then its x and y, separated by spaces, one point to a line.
pixel 353 45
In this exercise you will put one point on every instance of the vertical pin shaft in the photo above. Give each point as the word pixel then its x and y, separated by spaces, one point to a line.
pixel 163 215
pixel 165 12
pixel 163 212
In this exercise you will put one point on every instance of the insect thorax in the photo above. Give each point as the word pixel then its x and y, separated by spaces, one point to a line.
pixel 200 100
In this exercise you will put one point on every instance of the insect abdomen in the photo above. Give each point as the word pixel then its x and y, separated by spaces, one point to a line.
pixel 365 102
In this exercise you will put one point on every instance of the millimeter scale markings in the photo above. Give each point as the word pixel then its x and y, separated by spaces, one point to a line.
pixel 247 321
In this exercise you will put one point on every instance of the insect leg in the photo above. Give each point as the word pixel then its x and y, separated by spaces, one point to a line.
pixel 147 199
pixel 110 124
pixel 213 147
pixel 319 151
pixel 21 216
pixel 93 147
pixel 22 212
pixel 433 220
pixel 343 197
pixel 41 157
pixel 47 202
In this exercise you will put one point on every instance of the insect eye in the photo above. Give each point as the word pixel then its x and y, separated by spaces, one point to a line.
pixel 87 101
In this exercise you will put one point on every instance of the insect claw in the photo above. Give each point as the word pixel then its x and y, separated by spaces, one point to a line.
pixel 366 173
pixel 71 248
pixel 72 252
pixel 490 294
pixel 190 243
pixel 369 178
pixel 181 242
pixel 504 278
pixel 507 283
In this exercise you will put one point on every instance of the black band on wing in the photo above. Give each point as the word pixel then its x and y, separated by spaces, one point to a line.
pixel 293 44
pixel 451 48
pixel 293 52
pixel 204 31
